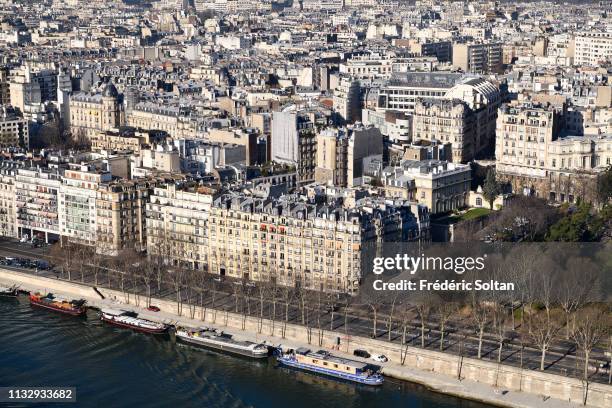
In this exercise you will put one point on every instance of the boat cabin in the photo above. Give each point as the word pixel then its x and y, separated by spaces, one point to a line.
pixel 325 360
pixel 119 312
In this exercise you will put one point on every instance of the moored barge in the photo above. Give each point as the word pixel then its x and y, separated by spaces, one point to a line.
pixel 218 340
pixel 58 304
pixel 324 363
pixel 11 292
pixel 130 320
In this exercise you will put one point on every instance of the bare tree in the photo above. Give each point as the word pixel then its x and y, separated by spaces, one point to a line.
pixel 575 288
pixel 346 306
pixel 262 290
pixel 389 322
pixel 65 257
pixel 480 318
pixel 273 292
pixel 423 310
pixel 445 311
pixel 375 300
pixel 148 274
pixel 176 276
pixel 406 316
pixel 591 328
pixel 332 303
pixel 96 261
pixel 287 295
pixel 236 292
pixel 543 330
pixel 134 268
pixel 193 288
pixel 319 307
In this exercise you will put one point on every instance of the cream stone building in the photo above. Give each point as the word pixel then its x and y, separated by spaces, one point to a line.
pixel 125 139
pixel 447 121
pixel 285 241
pixel 172 119
pixel 176 223
pixel 439 185
pixel 121 214
pixel 94 113
pixel 532 156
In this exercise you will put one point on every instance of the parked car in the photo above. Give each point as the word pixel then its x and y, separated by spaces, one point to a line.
pixel 381 358
pixel 153 308
pixel 361 353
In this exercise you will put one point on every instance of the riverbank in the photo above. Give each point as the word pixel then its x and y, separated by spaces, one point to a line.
pixel 435 370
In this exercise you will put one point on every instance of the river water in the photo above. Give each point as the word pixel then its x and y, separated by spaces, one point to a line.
pixel 113 367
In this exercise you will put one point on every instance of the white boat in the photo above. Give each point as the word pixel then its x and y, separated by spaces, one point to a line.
pixel 218 340
pixel 128 319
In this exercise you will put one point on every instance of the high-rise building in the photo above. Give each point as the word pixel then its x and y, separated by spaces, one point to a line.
pixel 347 100
pixel 8 220
pixel 294 143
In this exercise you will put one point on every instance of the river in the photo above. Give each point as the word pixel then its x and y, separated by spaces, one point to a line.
pixel 113 367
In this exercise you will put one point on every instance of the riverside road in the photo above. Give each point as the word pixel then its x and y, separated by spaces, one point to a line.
pixel 459 338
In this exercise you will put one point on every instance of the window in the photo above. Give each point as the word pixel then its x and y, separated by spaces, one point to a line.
pixel 478 201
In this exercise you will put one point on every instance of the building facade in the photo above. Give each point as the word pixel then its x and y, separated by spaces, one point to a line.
pixel 94 113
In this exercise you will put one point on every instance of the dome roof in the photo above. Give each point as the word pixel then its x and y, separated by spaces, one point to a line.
pixel 110 91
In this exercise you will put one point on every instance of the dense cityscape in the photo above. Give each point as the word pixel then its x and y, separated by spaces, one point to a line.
pixel 241 164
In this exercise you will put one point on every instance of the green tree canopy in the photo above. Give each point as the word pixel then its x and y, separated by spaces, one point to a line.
pixel 491 188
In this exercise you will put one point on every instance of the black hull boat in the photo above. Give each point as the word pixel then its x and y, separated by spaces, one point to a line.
pixel 9 292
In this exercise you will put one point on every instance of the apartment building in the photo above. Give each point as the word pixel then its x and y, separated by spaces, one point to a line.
pixel 440 49
pixel 535 160
pixel 36 203
pixel 91 114
pixel 77 202
pixel 13 129
pixel 284 240
pixel 176 217
pixel 126 139
pixel 447 121
pixel 524 131
pixel 332 153
pixel 294 142
pixel 374 65
pixel 593 48
pixel 5 95
pixel 291 242
pixel 8 220
pixel 439 185
pixel 347 100
pixel 121 214
pixel 481 58
pixel 174 120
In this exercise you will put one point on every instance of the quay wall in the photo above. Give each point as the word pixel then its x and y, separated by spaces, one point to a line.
pixel 498 375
